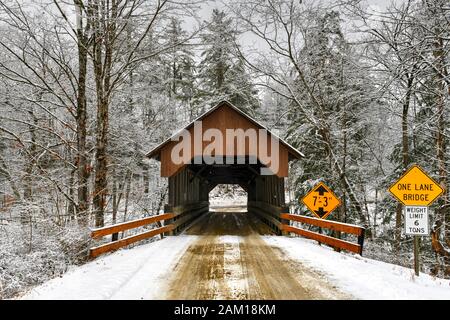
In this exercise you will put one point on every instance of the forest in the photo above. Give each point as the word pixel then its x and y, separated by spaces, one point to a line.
pixel 88 87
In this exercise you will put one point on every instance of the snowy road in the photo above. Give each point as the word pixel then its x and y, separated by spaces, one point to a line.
pixel 230 260
pixel 228 255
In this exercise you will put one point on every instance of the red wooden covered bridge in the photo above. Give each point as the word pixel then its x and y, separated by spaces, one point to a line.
pixel 226 146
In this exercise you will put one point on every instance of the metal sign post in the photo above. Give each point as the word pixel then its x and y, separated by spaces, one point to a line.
pixel 416 224
pixel 416 255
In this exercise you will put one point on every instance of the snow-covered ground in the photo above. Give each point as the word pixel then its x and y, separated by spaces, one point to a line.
pixel 361 277
pixel 227 196
pixel 143 273
pixel 137 273
pixel 236 204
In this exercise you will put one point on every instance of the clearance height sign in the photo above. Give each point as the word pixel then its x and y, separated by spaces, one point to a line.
pixel 321 201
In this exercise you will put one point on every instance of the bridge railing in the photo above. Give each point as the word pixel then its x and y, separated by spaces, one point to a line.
pixel 184 215
pixel 331 225
pixel 175 222
pixel 119 243
pixel 269 214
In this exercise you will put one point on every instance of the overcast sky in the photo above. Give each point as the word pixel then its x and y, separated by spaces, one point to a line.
pixel 207 7
pixel 251 40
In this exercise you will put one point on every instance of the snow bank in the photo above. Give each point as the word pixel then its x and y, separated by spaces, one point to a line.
pixel 138 273
pixel 361 277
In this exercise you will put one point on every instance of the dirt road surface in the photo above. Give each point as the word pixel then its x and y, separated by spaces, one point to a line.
pixel 230 260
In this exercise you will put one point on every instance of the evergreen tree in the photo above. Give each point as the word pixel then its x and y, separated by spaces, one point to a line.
pixel 179 67
pixel 222 75
pixel 329 65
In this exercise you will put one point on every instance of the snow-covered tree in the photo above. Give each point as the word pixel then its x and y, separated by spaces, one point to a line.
pixel 222 74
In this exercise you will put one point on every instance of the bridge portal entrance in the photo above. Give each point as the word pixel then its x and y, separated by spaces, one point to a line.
pixel 228 197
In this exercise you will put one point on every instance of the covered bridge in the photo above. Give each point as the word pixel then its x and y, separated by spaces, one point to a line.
pixel 225 146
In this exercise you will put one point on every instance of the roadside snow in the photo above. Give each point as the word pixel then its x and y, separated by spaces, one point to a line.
pixel 138 273
pixel 142 272
pixel 363 278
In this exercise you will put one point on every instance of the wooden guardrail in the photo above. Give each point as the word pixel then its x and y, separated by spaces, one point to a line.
pixel 104 231
pixel 269 214
pixel 185 214
pixel 332 225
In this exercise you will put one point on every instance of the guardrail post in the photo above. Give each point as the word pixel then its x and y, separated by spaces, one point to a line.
pixel 168 209
pixel 284 221
pixel 361 240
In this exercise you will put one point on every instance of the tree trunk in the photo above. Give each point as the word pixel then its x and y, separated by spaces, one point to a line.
pixel 71 191
pixel 405 158
pixel 375 213
pixel 83 171
pixel 115 206
pixel 146 174
pixel 343 209
pixel 103 46
pixel 101 169
pixel 442 220
pixel 25 214
pixel 128 178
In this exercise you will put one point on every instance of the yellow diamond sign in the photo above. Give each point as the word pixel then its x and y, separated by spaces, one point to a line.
pixel 416 188
pixel 321 201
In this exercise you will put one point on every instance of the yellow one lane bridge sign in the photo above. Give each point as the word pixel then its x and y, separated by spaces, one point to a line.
pixel 416 188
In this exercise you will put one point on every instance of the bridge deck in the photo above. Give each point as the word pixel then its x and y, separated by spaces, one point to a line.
pixel 230 260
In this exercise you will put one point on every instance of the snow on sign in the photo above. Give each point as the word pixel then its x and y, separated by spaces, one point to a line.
pixel 416 221
pixel 416 188
pixel 321 201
